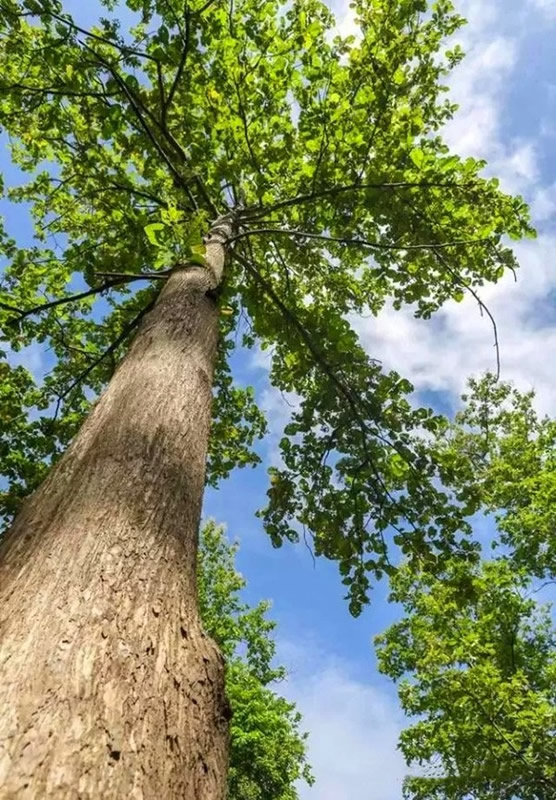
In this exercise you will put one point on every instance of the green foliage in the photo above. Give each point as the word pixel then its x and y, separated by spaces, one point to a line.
pixel 500 454
pixel 328 151
pixel 482 666
pixel 267 749
pixel 475 653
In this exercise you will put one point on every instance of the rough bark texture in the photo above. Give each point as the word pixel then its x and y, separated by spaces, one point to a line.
pixel 108 687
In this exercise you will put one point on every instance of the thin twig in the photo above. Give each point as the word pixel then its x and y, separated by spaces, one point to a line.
pixel 24 313
pixel 123 48
pixel 354 242
pixel 181 66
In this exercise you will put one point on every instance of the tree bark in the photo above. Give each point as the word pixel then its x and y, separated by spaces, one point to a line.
pixel 108 686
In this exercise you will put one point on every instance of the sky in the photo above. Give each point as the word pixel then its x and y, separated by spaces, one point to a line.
pixel 506 89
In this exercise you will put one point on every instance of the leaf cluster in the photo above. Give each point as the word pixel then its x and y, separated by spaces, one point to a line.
pixel 474 652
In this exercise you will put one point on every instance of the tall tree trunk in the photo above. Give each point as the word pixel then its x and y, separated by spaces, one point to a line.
pixel 108 686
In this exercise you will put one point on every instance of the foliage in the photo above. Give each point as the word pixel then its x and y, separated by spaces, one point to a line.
pixel 327 150
pixel 501 455
pixel 476 649
pixel 267 753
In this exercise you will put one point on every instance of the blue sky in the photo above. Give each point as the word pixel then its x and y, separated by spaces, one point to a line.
pixel 506 88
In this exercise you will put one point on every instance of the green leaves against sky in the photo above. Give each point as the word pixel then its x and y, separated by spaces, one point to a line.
pixel 330 152
pixel 474 652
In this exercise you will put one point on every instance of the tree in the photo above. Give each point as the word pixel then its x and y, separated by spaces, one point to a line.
pixel 267 751
pixel 476 648
pixel 500 455
pixel 258 167
pixel 481 665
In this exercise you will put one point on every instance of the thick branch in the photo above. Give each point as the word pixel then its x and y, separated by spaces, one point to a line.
pixel 133 276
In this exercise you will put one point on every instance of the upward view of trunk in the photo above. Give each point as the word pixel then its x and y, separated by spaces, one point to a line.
pixel 108 687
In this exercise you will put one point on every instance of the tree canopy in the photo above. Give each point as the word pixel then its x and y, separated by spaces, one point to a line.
pixel 327 152
pixel 475 650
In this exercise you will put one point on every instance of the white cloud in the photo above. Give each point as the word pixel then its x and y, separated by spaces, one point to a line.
pixel 547 7
pixel 345 19
pixel 543 205
pixel 31 357
pixel 492 42
pixel 442 353
pixel 353 730
pixel 347 25
pixel 478 86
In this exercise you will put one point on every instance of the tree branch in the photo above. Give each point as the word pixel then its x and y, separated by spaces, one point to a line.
pixel 332 374
pixel 245 124
pixel 462 284
pixel 357 187
pixel 116 281
pixel 138 107
pixel 354 242
pixel 53 90
pixel 181 65
pixel 204 7
pixel 123 48
pixel 133 276
pixel 175 17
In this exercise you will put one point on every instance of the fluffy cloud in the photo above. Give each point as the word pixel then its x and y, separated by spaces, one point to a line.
pixel 439 355
pixel 31 357
pixel 491 42
pixel 548 7
pixel 353 730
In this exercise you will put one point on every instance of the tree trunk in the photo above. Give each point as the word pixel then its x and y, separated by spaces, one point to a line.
pixel 108 686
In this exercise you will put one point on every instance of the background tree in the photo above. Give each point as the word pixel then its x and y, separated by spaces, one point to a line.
pixel 475 649
pixel 500 454
pixel 267 750
pixel 258 167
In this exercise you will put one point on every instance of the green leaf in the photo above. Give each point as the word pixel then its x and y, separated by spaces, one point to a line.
pixel 418 157
pixel 151 231
pixel 197 259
